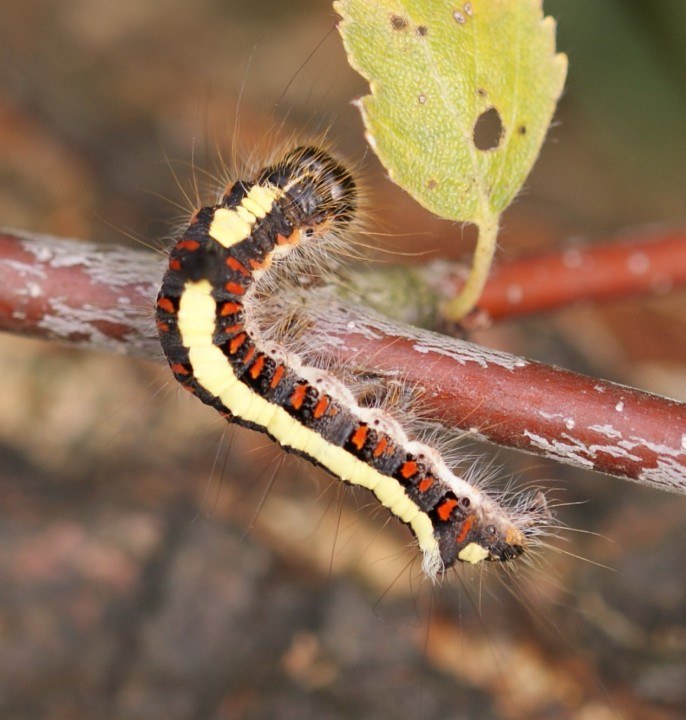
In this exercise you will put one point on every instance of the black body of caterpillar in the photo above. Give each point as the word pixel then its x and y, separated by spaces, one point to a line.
pixel 215 350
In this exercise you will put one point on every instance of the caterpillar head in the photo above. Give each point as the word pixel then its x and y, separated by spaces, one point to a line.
pixel 319 191
pixel 479 531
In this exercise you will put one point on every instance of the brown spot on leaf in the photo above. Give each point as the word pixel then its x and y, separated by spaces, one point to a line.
pixel 398 22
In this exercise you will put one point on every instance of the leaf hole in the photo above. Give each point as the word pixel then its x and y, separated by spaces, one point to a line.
pixel 422 30
pixel 488 130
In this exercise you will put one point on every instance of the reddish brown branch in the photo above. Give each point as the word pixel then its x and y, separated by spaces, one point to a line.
pixel 101 298
pixel 95 296
pixel 652 263
pixel 523 404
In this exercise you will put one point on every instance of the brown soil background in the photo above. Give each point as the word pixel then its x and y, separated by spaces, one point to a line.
pixel 132 582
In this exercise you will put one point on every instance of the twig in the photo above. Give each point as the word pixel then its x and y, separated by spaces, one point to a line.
pixel 98 297
pixel 649 263
pixel 519 403
pixel 101 299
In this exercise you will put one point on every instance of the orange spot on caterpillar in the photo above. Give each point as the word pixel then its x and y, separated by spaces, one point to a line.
pixel 162 327
pixel 298 396
pixel 234 288
pixel 238 266
pixel 380 447
pixel 257 265
pixel 230 308
pixel 249 354
pixel 284 239
pixel 359 437
pixel 188 245
pixel 164 303
pixel 425 483
pixel 233 328
pixel 256 368
pixel 236 343
pixel 445 509
pixel 408 469
pixel 174 265
pixel 464 531
pixel 321 407
pixel 180 369
pixel 278 375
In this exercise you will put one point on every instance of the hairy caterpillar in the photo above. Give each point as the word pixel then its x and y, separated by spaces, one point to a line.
pixel 206 321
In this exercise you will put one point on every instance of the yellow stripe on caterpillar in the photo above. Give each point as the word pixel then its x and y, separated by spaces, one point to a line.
pixel 230 226
pixel 214 373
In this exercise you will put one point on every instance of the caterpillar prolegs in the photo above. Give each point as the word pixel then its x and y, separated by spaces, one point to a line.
pixel 206 321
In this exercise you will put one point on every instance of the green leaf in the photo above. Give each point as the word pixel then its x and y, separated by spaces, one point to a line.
pixel 462 94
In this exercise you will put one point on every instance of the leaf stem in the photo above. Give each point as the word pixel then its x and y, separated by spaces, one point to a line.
pixel 486 244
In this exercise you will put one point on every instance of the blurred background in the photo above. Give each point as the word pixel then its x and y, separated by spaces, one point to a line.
pixel 142 572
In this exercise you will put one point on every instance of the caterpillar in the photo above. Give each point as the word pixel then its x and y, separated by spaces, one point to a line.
pixel 205 315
